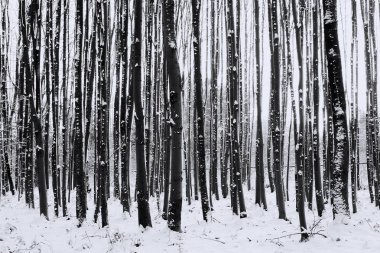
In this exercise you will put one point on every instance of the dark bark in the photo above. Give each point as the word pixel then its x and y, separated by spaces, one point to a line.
pixel 6 135
pixel 64 109
pixel 275 128
pixel 317 170
pixel 199 107
pixel 55 99
pixel 116 125
pixel 236 183
pixel 141 179
pixel 35 118
pixel 48 46
pixel 260 187
pixel 126 103
pixel 174 76
pixel 339 182
pixel 80 184
pixel 148 96
pixel 298 129
pixel 214 98
pixel 354 114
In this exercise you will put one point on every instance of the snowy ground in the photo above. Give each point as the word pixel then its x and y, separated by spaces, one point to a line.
pixel 23 230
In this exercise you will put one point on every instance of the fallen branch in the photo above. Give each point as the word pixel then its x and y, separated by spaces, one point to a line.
pixel 215 240
pixel 213 219
pixel 289 235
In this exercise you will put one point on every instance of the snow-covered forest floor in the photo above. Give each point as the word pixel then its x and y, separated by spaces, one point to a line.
pixel 23 230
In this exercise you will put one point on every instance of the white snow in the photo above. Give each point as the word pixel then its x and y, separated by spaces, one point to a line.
pixel 23 230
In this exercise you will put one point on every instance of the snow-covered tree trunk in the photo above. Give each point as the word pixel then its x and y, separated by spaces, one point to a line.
pixel 48 42
pixel 275 103
pixel 64 109
pixel 80 184
pixel 354 106
pixel 214 97
pixel 260 176
pixel 40 164
pixel 316 88
pixel 126 104
pixel 236 182
pixel 148 92
pixel 55 100
pixel 340 170
pixel 7 130
pixel 199 107
pixel 141 179
pixel 116 125
pixel 174 78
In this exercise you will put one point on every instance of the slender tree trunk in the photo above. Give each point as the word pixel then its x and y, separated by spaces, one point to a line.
pixel 199 107
pixel 354 114
pixel 236 184
pixel 148 91
pixel 317 167
pixel 55 87
pixel 64 109
pixel 81 196
pixel 214 98
pixel 275 128
pixel 116 128
pixel 260 179
pixel 49 27
pixel 141 179
pixel 126 103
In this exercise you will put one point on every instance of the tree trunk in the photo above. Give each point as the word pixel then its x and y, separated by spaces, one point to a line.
pixel 35 118
pixel 236 184
pixel 175 202
pixel 339 182
pixel 275 128
pixel 317 167
pixel 81 196
pixel 199 107
pixel 141 180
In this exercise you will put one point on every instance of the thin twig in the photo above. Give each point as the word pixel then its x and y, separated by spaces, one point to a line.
pixel 213 240
pixel 289 235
